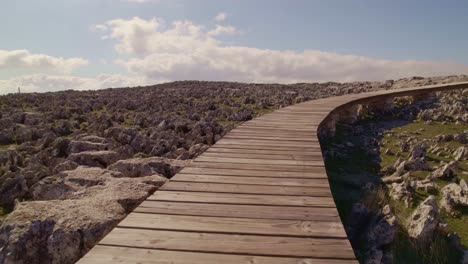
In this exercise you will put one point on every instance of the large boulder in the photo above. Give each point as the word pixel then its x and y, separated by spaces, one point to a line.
pixel 139 167
pixel 461 153
pixel 78 208
pixel 424 220
pixel 402 192
pixel 77 146
pixel 102 158
pixel 454 195
pixel 197 149
pixel 12 186
pixel 446 171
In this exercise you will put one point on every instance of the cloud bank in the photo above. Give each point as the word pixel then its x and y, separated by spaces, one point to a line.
pixel 185 50
pixel 23 59
pixel 153 51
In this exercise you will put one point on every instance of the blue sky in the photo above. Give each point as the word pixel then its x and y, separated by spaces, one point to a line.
pixel 91 44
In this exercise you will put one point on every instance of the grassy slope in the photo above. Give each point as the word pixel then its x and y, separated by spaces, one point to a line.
pixel 423 131
pixel 347 188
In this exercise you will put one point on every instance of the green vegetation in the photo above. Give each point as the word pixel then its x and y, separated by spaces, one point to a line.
pixel 347 185
pixel 4 147
pixel 425 132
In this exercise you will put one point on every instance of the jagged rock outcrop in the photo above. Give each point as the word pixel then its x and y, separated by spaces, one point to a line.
pixel 148 166
pixel 71 213
pixel 454 195
pixel 424 220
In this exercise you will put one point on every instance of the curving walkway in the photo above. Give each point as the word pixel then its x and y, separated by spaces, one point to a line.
pixel 259 195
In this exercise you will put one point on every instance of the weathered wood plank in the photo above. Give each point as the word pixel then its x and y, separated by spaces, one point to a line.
pixel 316 173
pixel 285 138
pixel 267 142
pixel 124 255
pixel 240 211
pixel 251 160
pixel 230 243
pixel 278 181
pixel 265 167
pixel 245 189
pixel 227 225
pixel 252 199
pixel 295 149
pixel 241 154
pixel 287 153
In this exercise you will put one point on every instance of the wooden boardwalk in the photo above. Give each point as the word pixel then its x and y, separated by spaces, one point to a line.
pixel 259 195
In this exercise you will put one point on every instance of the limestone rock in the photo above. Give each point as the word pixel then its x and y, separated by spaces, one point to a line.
pixel 197 149
pixel 139 167
pixel 402 192
pixel 392 179
pixel 95 158
pixel 76 146
pixel 446 171
pixel 461 153
pixel 424 220
pixel 454 195
pixel 78 208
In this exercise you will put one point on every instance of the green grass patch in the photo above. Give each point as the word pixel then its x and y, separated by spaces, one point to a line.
pixel 9 146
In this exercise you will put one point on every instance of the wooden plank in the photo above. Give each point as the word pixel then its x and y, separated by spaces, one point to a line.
pixel 266 167
pixel 231 243
pixel 291 117
pixel 273 126
pixel 290 149
pixel 122 255
pixel 310 139
pixel 317 173
pixel 245 189
pixel 261 133
pixel 267 142
pixel 279 181
pixel 258 161
pixel 239 211
pixel 239 154
pixel 285 153
pixel 279 128
pixel 227 225
pixel 287 123
pixel 252 199
pixel 244 128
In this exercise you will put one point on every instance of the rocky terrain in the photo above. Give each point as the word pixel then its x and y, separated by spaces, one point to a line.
pixel 73 164
pixel 400 180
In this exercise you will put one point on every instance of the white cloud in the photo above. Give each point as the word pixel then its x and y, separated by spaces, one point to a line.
pixel 219 30
pixel 221 16
pixel 154 51
pixel 184 50
pixel 45 83
pixel 23 59
pixel 96 28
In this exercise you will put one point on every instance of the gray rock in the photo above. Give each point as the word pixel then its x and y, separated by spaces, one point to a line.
pixel 12 187
pixel 139 167
pixel 425 185
pixel 76 146
pixel 461 153
pixel 66 165
pixel 392 179
pixel 402 192
pixel 424 220
pixel 197 149
pixel 446 171
pixel 95 158
pixel 454 195
pixel 79 207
